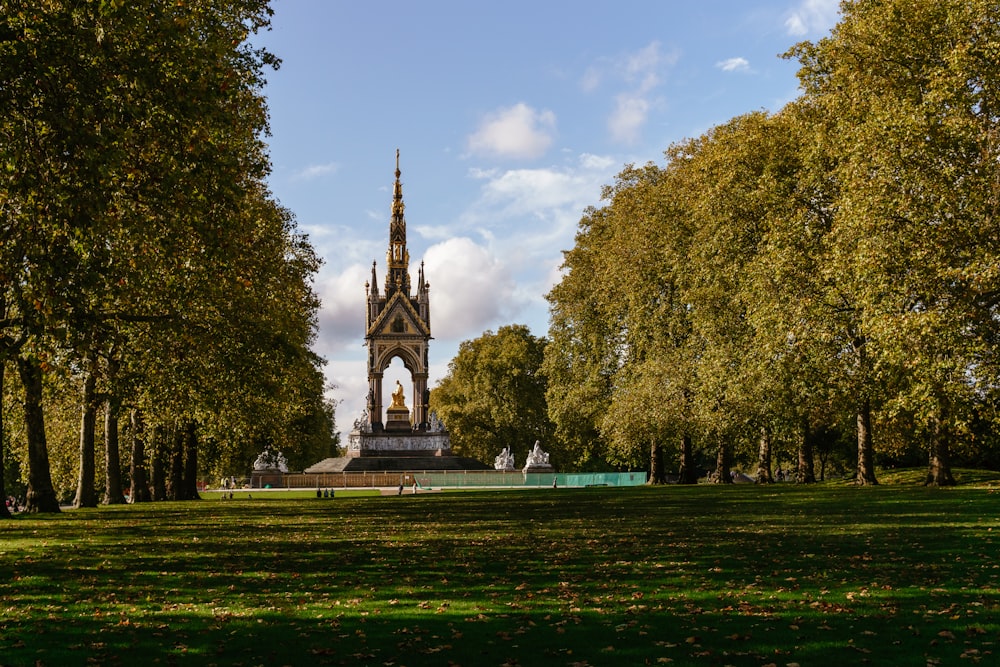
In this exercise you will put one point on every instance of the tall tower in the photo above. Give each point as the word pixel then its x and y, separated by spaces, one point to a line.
pixel 397 324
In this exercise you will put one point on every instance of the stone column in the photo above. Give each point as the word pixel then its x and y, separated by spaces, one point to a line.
pixel 375 409
pixel 420 401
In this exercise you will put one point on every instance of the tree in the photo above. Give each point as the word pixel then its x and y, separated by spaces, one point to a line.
pixel 4 511
pixel 909 98
pixel 583 353
pixel 138 227
pixel 494 395
pixel 620 334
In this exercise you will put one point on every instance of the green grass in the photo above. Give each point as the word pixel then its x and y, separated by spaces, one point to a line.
pixel 706 575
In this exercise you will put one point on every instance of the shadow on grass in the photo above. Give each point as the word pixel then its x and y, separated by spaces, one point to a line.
pixel 702 575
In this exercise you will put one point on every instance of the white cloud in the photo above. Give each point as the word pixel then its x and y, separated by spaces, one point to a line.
pixel 642 67
pixel 591 80
pixel 341 316
pixel 528 217
pixel 597 162
pixel 480 174
pixel 516 132
pixel 351 380
pixel 628 118
pixel 342 242
pixel 639 70
pixel 737 64
pixel 536 199
pixel 812 16
pixel 315 171
pixel 641 73
pixel 476 289
pixel 433 232
pixel 527 191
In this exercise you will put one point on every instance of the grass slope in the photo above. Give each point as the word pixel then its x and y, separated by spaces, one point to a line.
pixel 702 575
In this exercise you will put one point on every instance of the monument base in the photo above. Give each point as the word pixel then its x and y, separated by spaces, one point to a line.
pixel 399 443
pixel 397 420
pixel 387 451
pixel 396 464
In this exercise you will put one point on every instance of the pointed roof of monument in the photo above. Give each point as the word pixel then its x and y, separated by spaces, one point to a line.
pixel 397 257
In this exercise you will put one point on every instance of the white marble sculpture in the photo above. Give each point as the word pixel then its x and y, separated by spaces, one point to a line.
pixel 270 459
pixel 361 424
pixel 505 460
pixel 536 457
pixel 435 425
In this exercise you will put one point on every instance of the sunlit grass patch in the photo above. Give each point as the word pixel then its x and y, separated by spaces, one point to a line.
pixel 706 575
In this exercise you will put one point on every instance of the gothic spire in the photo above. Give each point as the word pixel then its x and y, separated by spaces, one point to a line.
pixel 397 257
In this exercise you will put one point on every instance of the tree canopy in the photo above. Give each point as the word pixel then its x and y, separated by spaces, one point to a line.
pixel 494 395
pixel 830 267
pixel 144 260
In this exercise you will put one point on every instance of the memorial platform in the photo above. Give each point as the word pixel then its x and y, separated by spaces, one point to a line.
pixel 395 464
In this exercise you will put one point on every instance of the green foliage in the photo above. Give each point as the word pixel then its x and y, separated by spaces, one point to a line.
pixel 832 264
pixel 913 102
pixel 494 396
pixel 744 576
pixel 142 252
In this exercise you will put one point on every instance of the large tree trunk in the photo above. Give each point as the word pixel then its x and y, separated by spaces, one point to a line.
pixel 657 474
pixel 723 463
pixel 806 473
pixel 85 494
pixel 137 473
pixel 866 458
pixel 939 472
pixel 112 456
pixel 41 494
pixel 158 468
pixel 688 474
pixel 4 511
pixel 763 473
pixel 175 483
pixel 189 490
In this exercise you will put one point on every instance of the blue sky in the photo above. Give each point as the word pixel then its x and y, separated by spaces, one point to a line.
pixel 509 117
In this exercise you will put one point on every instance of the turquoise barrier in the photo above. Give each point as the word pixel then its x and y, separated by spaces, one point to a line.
pixel 497 478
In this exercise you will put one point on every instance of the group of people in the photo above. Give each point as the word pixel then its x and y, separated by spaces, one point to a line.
pixel 15 504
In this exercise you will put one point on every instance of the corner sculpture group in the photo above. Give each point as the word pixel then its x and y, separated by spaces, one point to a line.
pixel 537 461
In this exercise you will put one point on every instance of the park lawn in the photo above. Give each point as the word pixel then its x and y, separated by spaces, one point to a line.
pixel 707 575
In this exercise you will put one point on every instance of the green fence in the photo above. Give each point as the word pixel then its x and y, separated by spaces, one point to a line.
pixel 497 478
pixel 441 479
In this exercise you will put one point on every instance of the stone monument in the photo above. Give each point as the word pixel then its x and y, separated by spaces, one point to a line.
pixel 398 326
